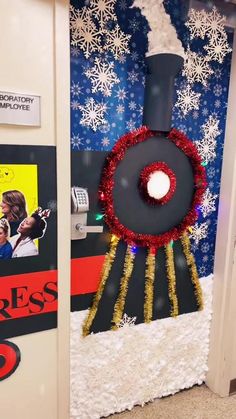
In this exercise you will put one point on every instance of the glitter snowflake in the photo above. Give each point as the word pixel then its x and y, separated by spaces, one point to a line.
pixel 117 42
pixel 211 128
pixel 215 24
pixel 102 76
pixel 121 94
pixel 196 68
pixel 84 32
pixel 207 149
pixel 187 100
pixel 76 141
pixel 103 10
pixel 199 232
pixel 217 49
pixel 208 204
pixel 196 23
pixel 92 114
pixel 76 89
pixel 126 321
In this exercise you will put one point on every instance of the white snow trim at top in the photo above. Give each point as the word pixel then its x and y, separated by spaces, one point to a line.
pixel 162 38
pixel 116 370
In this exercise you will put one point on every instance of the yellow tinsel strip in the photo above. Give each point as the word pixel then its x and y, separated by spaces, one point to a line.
pixel 120 302
pixel 149 283
pixel 170 267
pixel 109 259
pixel 193 270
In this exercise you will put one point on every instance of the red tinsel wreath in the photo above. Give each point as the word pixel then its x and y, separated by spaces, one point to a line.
pixel 107 184
pixel 145 177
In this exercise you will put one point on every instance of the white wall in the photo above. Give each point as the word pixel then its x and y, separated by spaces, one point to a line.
pixel 34 49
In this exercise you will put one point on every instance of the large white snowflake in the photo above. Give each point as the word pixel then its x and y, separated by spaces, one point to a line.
pixel 126 321
pixel 198 232
pixel 103 10
pixel 215 24
pixel 211 128
pixel 207 149
pixel 84 32
pixel 117 42
pixel 187 100
pixel 196 23
pixel 196 68
pixel 102 76
pixel 93 114
pixel 208 203
pixel 217 49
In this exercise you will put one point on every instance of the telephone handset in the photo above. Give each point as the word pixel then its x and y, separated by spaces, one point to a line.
pixel 79 209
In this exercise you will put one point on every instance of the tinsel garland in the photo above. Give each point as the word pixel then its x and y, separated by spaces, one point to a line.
pixel 170 267
pixel 145 177
pixel 149 285
pixel 109 259
pixel 193 270
pixel 120 302
pixel 107 184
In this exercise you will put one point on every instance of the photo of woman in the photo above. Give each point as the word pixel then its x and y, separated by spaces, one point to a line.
pixel 13 206
pixel 30 228
pixel 5 247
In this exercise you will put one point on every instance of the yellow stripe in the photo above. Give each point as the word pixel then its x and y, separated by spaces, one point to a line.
pixel 149 286
pixel 170 267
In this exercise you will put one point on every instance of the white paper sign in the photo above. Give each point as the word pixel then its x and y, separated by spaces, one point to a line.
pixel 19 109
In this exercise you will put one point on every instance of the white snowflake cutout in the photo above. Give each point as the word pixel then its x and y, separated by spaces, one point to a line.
pixel 207 149
pixel 215 24
pixel 117 42
pixel 126 321
pixel 196 23
pixel 187 100
pixel 93 114
pixel 103 10
pixel 102 76
pixel 198 232
pixel 217 49
pixel 79 20
pixel 196 68
pixel 211 128
pixel 208 203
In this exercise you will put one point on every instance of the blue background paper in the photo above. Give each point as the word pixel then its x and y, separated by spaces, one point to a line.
pixel 125 105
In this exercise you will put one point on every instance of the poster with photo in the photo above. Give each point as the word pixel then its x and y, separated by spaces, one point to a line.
pixel 28 239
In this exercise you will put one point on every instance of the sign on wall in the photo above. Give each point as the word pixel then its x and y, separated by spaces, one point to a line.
pixel 19 109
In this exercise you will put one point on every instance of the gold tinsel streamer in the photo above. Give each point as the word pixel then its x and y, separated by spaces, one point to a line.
pixel 193 270
pixel 109 259
pixel 149 282
pixel 170 267
pixel 120 302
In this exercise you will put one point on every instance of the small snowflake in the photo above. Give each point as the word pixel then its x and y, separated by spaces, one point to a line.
pixel 198 232
pixel 134 56
pixel 132 105
pixel 217 49
pixel 76 141
pixel 92 114
pixel 208 203
pixel 126 321
pixel 120 109
pixel 195 114
pixel 102 76
pixel 75 105
pixel 210 128
pixel 217 90
pixel 132 76
pixel 196 68
pixel 123 4
pixel 130 125
pixel 84 32
pixel 117 42
pixel 121 94
pixel 76 89
pixel 104 128
pixel 75 52
pixel 217 103
pixel 205 247
pixel 134 25
pixel 122 59
pixel 207 149
pixel 103 10
pixel 196 23
pixel 105 141
pixel 187 100
pixel 215 24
